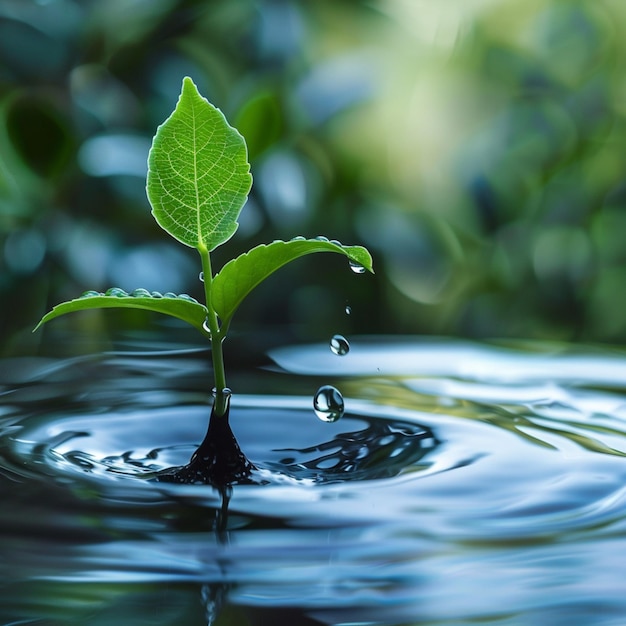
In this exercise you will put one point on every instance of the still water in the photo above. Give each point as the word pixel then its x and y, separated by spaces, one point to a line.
pixel 464 484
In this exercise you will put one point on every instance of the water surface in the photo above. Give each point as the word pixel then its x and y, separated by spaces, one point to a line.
pixel 465 484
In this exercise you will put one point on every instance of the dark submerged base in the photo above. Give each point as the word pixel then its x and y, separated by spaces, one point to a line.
pixel 218 461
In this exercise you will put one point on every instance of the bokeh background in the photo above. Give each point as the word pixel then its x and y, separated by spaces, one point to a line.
pixel 477 147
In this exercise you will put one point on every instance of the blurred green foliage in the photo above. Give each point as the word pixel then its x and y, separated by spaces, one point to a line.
pixel 476 146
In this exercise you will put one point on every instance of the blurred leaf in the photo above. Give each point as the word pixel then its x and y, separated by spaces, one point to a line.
pixel 260 122
pixel 199 176
pixel 39 135
pixel 20 188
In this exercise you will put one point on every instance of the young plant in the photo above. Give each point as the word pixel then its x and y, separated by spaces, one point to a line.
pixel 198 182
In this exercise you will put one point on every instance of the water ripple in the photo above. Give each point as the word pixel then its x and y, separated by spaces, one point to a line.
pixel 462 479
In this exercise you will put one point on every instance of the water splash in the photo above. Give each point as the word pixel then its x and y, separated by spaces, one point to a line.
pixel 227 392
pixel 339 345
pixel 328 403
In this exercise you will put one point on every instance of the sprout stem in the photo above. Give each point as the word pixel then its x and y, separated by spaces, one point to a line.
pixel 216 336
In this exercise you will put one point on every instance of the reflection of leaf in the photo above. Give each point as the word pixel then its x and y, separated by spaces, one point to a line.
pixel 517 419
pixel 198 176
pixel 184 309
pixel 241 275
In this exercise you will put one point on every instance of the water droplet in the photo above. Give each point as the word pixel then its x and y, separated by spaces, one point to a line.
pixel 321 238
pixel 227 392
pixel 298 238
pixel 336 242
pixel 156 294
pixel 339 345
pixel 348 309
pixel 140 293
pixel 328 403
pixel 90 294
pixel 201 277
pixel 357 268
pixel 169 294
pixel 206 327
pixel 187 297
pixel 116 292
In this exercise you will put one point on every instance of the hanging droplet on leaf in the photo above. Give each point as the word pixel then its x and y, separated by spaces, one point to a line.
pixel 357 268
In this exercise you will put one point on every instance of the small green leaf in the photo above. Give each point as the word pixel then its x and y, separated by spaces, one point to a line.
pixel 183 307
pixel 198 173
pixel 241 275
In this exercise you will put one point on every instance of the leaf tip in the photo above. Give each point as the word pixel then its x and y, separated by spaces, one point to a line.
pixel 188 84
pixel 40 323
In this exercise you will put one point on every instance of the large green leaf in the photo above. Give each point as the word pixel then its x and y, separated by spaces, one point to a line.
pixel 183 307
pixel 198 173
pixel 241 275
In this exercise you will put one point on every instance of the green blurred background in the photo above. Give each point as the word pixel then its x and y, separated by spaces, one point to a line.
pixel 475 146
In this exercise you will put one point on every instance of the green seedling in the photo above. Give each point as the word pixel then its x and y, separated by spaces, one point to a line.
pixel 198 182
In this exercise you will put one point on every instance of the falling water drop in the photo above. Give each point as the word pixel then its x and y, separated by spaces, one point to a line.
pixel 348 309
pixel 339 345
pixel 328 403
pixel 201 277
pixel 357 268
